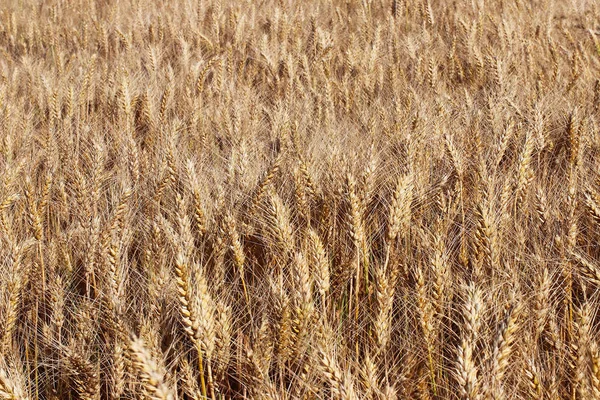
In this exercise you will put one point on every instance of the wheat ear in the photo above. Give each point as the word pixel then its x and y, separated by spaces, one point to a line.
pixel 151 372
pixel 466 370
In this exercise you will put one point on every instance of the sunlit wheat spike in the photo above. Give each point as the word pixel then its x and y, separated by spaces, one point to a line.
pixel 12 385
pixel 152 374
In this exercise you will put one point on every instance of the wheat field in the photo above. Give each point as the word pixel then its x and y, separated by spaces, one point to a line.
pixel 347 199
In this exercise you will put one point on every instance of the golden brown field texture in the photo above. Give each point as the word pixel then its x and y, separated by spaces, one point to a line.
pixel 347 199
